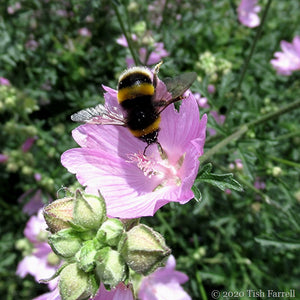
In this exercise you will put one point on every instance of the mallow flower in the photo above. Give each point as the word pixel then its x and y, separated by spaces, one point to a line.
pixel 288 60
pixel 247 13
pixel 110 159
pixel 148 59
pixel 164 283
pixel 41 263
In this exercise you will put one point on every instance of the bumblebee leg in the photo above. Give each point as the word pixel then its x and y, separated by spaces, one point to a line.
pixel 162 153
pixel 160 150
pixel 144 153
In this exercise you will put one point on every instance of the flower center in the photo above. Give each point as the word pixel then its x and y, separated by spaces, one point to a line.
pixel 159 167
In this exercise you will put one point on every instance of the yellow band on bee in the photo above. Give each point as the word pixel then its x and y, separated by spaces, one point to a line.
pixel 151 128
pixel 144 89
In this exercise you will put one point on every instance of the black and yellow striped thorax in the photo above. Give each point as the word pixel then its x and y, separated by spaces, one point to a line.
pixel 136 93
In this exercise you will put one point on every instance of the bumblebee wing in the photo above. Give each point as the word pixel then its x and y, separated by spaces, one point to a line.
pixel 99 115
pixel 176 86
pixel 179 84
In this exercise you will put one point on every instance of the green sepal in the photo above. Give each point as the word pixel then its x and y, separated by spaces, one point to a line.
pixel 65 243
pixel 56 274
pixel 75 284
pixel 110 267
pixel 86 256
pixel 144 249
pixel 89 210
pixel 222 181
pixel 130 223
pixel 110 232
pixel 59 213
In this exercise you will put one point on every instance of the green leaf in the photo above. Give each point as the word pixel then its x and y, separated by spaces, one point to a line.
pixel 197 193
pixel 222 181
pixel 280 244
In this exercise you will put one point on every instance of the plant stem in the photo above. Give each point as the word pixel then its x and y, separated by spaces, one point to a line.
pixel 244 128
pixel 275 114
pixel 128 39
pixel 247 61
pixel 234 136
pixel 201 287
pixel 285 161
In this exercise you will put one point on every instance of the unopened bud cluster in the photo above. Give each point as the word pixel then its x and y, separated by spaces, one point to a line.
pixel 97 249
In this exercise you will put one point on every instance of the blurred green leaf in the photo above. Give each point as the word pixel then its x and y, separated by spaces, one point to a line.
pixel 222 181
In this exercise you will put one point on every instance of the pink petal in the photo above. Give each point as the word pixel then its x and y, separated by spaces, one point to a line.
pixel 296 42
pixel 116 140
pixel 54 295
pixel 178 129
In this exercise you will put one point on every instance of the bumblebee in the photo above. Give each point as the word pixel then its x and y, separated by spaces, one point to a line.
pixel 137 96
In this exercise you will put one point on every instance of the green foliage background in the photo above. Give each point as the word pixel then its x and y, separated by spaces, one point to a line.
pixel 230 242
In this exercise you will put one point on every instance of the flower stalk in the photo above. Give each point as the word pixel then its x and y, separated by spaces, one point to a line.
pixel 128 39
pixel 247 61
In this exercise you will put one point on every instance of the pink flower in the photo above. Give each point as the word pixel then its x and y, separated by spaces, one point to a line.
pixel 32 44
pixel 62 13
pixel 239 164
pixel 34 204
pixel 53 295
pixel 154 57
pixel 37 176
pixel 28 144
pixel 287 61
pixel 164 283
pixel 84 32
pixel 220 119
pixel 3 158
pixel 12 9
pixel 4 81
pixel 202 101
pixel 110 160
pixel 259 184
pixel 211 88
pixel 36 264
pixel 228 191
pixel 121 292
pixel 123 42
pixel 247 13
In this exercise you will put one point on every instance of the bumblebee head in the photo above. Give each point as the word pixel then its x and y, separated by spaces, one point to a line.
pixel 135 82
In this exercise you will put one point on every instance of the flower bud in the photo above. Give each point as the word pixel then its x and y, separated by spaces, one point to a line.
pixel 111 232
pixel 276 171
pixel 82 210
pixel 144 249
pixel 211 89
pixel 59 213
pixel 111 267
pixel 65 243
pixel 74 284
pixel 86 256
pixel 89 210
